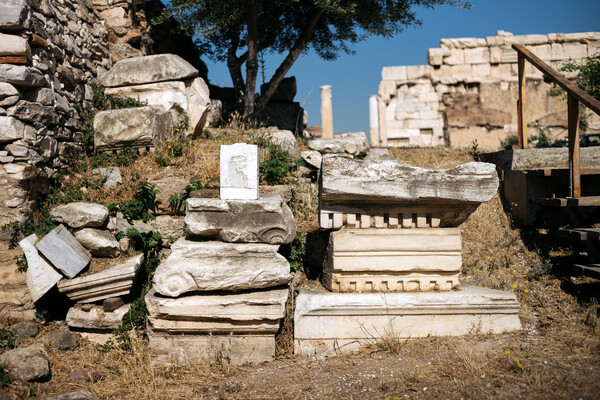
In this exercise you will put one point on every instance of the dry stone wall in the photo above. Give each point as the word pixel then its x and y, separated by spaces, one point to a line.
pixel 468 91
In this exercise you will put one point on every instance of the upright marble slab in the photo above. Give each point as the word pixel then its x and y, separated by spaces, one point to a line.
pixel 239 171
pixel 64 252
pixel 41 276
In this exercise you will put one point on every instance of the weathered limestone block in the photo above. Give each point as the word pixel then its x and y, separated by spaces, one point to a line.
pixel 16 303
pixel 265 220
pixel 206 266
pixel 13 45
pixel 392 260
pixel 354 143
pixel 478 55
pixel 80 215
pixel 41 276
pixel 21 75
pixel 394 73
pixel 64 252
pixel 148 69
pixel 100 243
pixel 20 172
pixel 382 194
pixel 256 312
pixel 283 138
pixel 27 363
pixel 10 129
pixel 111 174
pixel 169 226
pixel 167 95
pixel 239 171
pixel 199 105
pixel 333 322
pixel 95 318
pixel 313 158
pixel 135 127
pixel 35 113
pixel 14 15
pixel 112 282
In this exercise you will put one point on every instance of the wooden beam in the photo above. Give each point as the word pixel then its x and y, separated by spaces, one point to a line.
pixel 14 60
pixel 574 175
pixel 559 79
pixel 521 105
pixel 37 40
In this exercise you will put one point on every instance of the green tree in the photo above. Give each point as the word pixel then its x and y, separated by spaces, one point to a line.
pixel 237 31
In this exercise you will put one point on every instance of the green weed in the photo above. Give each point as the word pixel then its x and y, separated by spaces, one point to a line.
pixel 6 377
pixel 7 338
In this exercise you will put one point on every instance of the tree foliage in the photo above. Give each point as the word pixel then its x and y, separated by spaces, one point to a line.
pixel 237 31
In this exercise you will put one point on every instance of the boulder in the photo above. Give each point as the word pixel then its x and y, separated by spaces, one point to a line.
pixel 10 129
pixel 64 251
pixel 95 318
pixel 165 95
pixel 199 105
pixel 148 69
pixel 112 303
pixel 13 45
pixel 265 220
pixel 355 144
pixel 26 329
pixel 112 282
pixel 61 340
pixel 41 276
pixel 80 215
pixel 205 266
pixel 111 174
pixel 27 363
pixel 21 75
pixel 284 139
pixel 99 242
pixel 135 127
pixel 14 15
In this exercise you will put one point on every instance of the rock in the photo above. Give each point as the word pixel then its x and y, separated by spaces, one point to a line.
pixel 116 18
pixel 167 184
pixel 48 148
pixel 9 101
pixel 312 158
pixel 214 113
pixel 15 300
pixel 61 340
pixel 148 69
pixel 205 193
pixel 199 105
pixel 207 313
pixel 10 129
pixel 164 95
pixel 26 329
pixel 27 363
pixel 112 282
pixel 112 175
pixel 35 113
pixel 13 45
pixel 355 144
pixel 265 220
pixel 285 191
pixel 41 276
pixel 14 14
pixel 80 215
pixel 206 266
pixel 325 323
pixel 4 395
pixel 383 194
pixel 378 154
pixel 21 75
pixel 8 90
pixel 239 171
pixel 44 96
pixel 73 395
pixel 169 226
pixel 20 172
pixel 85 375
pixel 100 243
pixel 64 251
pixel 285 92
pixel 96 318
pixel 135 127
pixel 284 139
pixel 112 303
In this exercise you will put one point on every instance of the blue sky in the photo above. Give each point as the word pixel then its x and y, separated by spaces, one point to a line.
pixel 355 77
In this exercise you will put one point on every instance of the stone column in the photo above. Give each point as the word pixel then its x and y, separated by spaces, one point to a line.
pixel 326 113
pixel 373 121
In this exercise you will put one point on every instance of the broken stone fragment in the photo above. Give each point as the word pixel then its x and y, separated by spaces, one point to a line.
pixel 21 75
pixel 148 69
pixel 14 15
pixel 80 215
pixel 41 276
pixel 111 174
pixel 27 363
pixel 264 220
pixel 10 129
pixel 112 282
pixel 354 143
pixel 312 158
pixel 220 266
pixel 96 318
pixel 99 242
pixel 13 45
pixel 64 251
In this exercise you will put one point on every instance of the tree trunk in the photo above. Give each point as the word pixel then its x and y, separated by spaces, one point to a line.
pixel 251 62
pixel 289 60
pixel 234 65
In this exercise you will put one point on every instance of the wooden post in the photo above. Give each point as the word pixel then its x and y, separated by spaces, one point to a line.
pixel 521 105
pixel 574 175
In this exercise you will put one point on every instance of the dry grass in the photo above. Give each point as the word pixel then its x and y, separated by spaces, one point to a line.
pixel 558 349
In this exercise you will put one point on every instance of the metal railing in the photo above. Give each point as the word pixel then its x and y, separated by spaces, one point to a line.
pixel 574 96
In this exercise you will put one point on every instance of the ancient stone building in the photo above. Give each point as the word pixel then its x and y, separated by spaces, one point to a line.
pixel 468 91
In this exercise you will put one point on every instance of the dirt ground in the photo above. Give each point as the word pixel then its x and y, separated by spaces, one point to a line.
pixel 556 355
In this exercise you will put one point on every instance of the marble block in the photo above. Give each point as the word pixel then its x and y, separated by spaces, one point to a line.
pixel 41 276
pixel 96 319
pixel 64 252
pixel 239 171
pixel 267 219
pixel 392 260
pixel 327 323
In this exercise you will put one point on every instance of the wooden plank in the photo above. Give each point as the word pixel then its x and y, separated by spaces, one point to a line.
pixel 521 105
pixel 574 160
pixel 37 40
pixel 562 171
pixel 14 60
pixel 580 233
pixel 559 79
pixel 586 201
pixel 591 270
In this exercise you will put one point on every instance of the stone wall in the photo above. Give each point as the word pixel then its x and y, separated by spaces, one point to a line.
pixel 468 91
